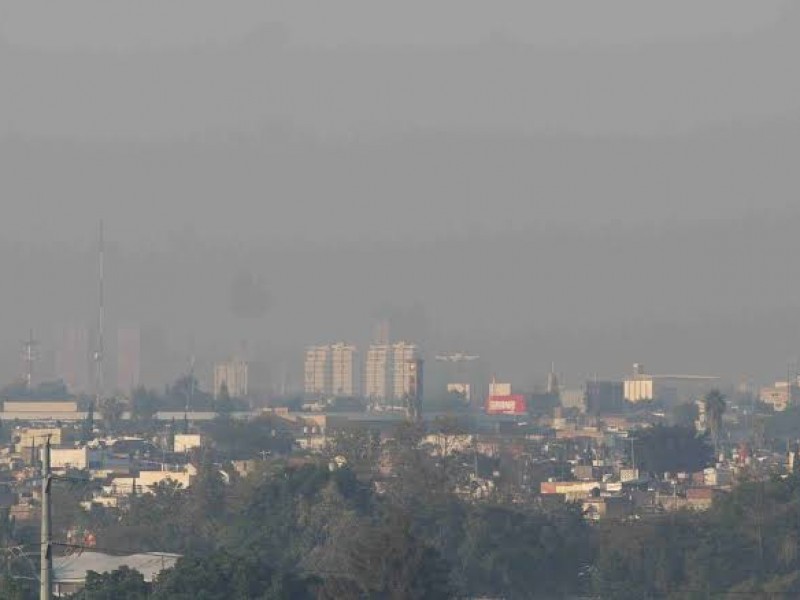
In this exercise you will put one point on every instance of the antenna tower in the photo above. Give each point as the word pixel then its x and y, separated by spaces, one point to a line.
pixel 30 354
pixel 99 381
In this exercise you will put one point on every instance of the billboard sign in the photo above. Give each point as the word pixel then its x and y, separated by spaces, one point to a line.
pixel 512 404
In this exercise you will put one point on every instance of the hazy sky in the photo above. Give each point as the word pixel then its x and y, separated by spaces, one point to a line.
pixel 124 25
pixel 591 182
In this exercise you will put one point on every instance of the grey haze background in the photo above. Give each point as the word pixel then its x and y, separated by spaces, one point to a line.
pixel 585 182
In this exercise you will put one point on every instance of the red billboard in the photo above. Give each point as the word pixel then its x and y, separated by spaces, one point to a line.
pixel 513 404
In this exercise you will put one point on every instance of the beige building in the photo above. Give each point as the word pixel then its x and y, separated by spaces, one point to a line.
pixel 671 389
pixel 331 371
pixel 28 438
pixel 184 442
pixel 70 458
pixel 376 372
pixel 780 396
pixel 404 367
pixel 233 375
pixel 146 481
pixel 498 388
pixel 317 371
pixel 344 370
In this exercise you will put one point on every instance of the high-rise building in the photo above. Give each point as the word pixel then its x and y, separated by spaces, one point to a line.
pixel 377 371
pixel 404 359
pixel 331 370
pixel 317 371
pixel 604 397
pixel 129 358
pixel 344 370
pixel 233 375
pixel 72 358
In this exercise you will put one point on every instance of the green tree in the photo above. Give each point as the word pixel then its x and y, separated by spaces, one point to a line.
pixel 236 439
pixel 715 405
pixel 111 410
pixel 511 552
pixel 145 403
pixel 87 426
pixel 684 414
pixel 122 584
pixel 186 392
pixel 11 589
pixel 223 403
pixel 661 449
pixel 225 576
pixel 359 446
pixel 386 560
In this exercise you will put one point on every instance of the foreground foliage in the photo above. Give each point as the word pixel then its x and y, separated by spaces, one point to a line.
pixel 317 531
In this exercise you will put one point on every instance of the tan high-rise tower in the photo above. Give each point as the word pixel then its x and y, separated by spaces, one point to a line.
pixel 317 371
pixel 344 370
pixel 376 372
pixel 233 375
pixel 404 357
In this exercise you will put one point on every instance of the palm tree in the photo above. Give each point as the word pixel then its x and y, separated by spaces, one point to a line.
pixel 715 406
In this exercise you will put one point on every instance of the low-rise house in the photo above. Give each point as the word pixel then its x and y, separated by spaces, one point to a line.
pixel 184 442
pixel 607 507
pixel 701 498
pixel 69 572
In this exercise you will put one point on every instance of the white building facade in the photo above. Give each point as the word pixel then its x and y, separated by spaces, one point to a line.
pixel 233 375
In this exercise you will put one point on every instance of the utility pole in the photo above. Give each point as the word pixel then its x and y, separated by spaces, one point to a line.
pixel 45 587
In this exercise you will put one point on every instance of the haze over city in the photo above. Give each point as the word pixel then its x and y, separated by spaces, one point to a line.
pixel 531 187
pixel 399 300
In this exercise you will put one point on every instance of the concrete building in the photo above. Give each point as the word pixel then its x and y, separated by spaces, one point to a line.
pixel 607 507
pixel 233 375
pixel 377 371
pixel 573 398
pixel 458 373
pixel 497 388
pixel 317 371
pixel 460 389
pixel 74 458
pixel 405 357
pixel 29 438
pixel 604 397
pixel 184 442
pixel 41 410
pixel 393 373
pixel 344 370
pixel 781 395
pixel 670 389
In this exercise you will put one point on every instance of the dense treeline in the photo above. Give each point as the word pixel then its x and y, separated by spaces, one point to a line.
pixel 317 530
pixel 323 529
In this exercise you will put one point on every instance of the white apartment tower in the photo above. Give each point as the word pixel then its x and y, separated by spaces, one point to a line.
pixel 331 370
pixel 404 363
pixel 344 370
pixel 377 372
pixel 317 371
pixel 233 375
pixel 390 372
